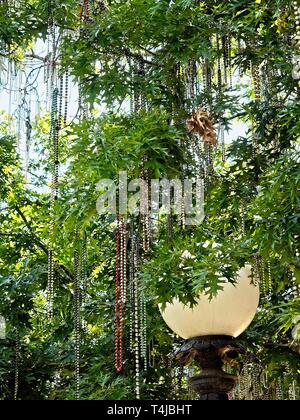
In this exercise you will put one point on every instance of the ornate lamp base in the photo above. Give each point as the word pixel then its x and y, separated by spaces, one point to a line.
pixel 211 353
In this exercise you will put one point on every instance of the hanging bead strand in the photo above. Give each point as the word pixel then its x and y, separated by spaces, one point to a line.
pixel 208 75
pixel 279 391
pixel 230 70
pixel 151 354
pixel 270 281
pixel 143 329
pixel 297 21
pixel 77 317
pixel 84 277
pixel 257 82
pixel 66 97
pixel 225 58
pixel 131 290
pixel 85 11
pixel 118 306
pixel 223 145
pixel 54 134
pixel 50 286
pixel 28 146
pixel 17 365
pixel 264 281
pixel 60 106
pixel 145 217
pixel 136 324
pixel 243 218
pixel 219 65
pixel 256 77
pixel 145 174
pixel 123 259
pixel 256 271
pixel 255 383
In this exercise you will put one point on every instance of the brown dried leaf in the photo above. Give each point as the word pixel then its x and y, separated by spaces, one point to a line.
pixel 202 124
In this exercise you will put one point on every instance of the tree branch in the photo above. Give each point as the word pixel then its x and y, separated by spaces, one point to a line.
pixel 36 57
pixel 38 241
pixel 241 114
pixel 41 245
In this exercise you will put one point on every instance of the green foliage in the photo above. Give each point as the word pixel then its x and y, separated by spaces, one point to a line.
pixel 262 182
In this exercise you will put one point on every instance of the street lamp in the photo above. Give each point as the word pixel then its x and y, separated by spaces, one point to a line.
pixel 210 329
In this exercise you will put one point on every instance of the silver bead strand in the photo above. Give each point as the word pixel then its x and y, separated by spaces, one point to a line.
pixel 151 354
pixel 123 258
pixel 270 281
pixel 143 322
pixel 136 326
pixel 77 320
pixel 223 146
pixel 17 366
pixel 264 281
pixel 50 286
pixel 243 218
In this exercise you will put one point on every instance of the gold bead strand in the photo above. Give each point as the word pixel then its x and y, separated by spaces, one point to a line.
pixel 292 391
pixel 245 384
pixel 255 383
pixel 204 80
pixel 256 81
pixel 265 387
pixel 279 391
pixel 297 21
pixel 183 217
pixel 256 271
pixel 230 61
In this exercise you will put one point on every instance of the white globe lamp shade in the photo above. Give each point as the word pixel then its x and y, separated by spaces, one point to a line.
pixel 230 313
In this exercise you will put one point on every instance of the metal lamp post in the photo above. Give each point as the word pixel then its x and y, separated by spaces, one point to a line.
pixel 210 329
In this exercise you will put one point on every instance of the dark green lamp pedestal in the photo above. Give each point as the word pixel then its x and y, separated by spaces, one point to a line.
pixel 211 353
